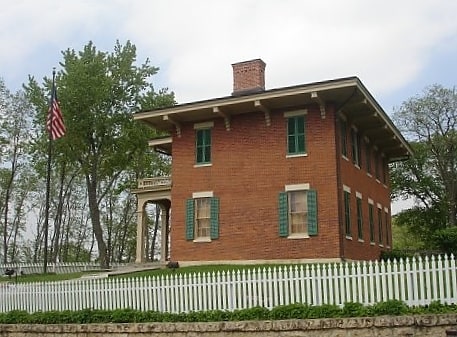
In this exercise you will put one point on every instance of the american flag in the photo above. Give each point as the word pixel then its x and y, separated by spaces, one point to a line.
pixel 54 122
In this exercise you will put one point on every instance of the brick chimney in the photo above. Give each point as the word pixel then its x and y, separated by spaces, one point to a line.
pixel 248 77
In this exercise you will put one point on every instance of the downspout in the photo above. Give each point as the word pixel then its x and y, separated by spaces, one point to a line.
pixel 339 187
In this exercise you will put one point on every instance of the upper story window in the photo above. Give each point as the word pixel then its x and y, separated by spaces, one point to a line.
pixel 296 132
pixel 203 142
pixel 368 157
pixel 377 169
pixel 298 211
pixel 385 170
pixel 343 132
pixel 356 153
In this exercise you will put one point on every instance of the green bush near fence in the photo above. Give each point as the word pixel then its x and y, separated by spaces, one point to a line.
pixel 291 311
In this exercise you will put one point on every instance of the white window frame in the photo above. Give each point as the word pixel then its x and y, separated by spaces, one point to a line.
pixel 198 196
pixel 296 113
pixel 203 126
pixel 291 189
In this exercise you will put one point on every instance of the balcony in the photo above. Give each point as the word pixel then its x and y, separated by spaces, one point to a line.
pixel 153 184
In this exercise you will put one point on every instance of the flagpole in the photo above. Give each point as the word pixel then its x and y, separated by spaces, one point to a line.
pixel 48 179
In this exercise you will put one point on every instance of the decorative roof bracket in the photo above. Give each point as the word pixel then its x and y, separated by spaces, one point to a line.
pixel 319 101
pixel 175 123
pixel 226 117
pixel 258 104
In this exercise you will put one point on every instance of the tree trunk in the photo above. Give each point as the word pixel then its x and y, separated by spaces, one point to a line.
pixel 96 224
pixel 127 218
pixel 9 187
pixel 109 226
pixel 156 229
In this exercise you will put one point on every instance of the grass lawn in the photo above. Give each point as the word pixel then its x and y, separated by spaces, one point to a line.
pixel 41 277
pixel 143 273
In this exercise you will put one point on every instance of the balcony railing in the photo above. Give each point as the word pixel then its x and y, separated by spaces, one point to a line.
pixel 153 183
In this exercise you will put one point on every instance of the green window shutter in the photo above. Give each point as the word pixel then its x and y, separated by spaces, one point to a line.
pixel 312 212
pixel 214 231
pixel 283 212
pixel 190 219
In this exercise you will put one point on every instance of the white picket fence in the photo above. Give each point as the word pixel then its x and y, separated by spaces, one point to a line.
pixel 415 281
pixel 58 268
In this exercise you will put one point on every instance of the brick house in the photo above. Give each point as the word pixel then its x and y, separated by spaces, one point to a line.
pixel 290 174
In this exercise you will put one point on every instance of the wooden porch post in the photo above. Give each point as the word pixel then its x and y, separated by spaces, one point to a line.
pixel 140 232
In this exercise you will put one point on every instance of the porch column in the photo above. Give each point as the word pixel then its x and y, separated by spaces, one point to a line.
pixel 167 232
pixel 164 231
pixel 140 233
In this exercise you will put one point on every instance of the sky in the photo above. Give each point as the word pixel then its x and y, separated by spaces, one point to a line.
pixel 396 47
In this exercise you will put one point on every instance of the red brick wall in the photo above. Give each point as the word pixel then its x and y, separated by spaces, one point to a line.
pixel 249 169
pixel 358 180
pixel 249 75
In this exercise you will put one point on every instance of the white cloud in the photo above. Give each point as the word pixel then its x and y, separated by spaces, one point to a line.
pixel 386 43
pixel 33 32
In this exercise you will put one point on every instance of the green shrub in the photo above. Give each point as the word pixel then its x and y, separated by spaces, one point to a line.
pixel 251 314
pixel 125 316
pixel 101 316
pixel 48 317
pixel 394 254
pixel 84 316
pixel 150 316
pixel 292 311
pixel 391 307
pixel 16 317
pixel 325 311
pixel 436 307
pixel 353 309
pixel 169 317
pixel 297 310
pixel 215 316
pixel 446 240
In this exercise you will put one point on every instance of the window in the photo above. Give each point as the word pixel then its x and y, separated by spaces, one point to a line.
pixel 298 213
pixel 296 134
pixel 203 146
pixel 355 140
pixel 380 230
pixel 202 217
pixel 376 166
pixel 359 217
pixel 371 219
pixel 344 146
pixel 386 223
pixel 347 211
pixel 368 157
pixel 385 168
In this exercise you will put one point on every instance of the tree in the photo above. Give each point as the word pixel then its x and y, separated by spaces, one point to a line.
pixel 15 126
pixel 99 92
pixel 429 121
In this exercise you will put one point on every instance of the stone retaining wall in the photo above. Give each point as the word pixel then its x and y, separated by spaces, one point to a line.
pixel 411 326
